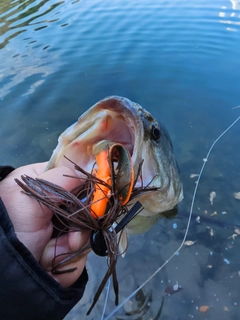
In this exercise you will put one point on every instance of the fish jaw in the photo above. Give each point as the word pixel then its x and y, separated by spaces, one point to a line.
pixel 112 118
pixel 160 170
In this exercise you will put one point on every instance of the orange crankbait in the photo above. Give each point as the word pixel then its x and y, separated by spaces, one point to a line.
pixel 119 179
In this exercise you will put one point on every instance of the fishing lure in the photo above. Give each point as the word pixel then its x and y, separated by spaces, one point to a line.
pixel 122 182
pixel 76 212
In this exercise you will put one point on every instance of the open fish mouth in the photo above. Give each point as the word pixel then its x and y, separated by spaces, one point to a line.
pixel 111 119
pixel 122 121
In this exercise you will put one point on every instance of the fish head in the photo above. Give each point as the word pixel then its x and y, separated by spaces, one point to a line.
pixel 122 121
pixel 159 167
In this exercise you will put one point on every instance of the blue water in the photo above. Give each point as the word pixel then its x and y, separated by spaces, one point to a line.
pixel 178 59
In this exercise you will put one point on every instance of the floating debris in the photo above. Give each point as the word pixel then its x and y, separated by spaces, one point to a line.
pixel 211 232
pixel 172 289
pixel 189 243
pixel 224 212
pixel 226 261
pixel 198 219
pixel 236 195
pixel 204 308
pixel 225 308
pixel 213 214
pixel 209 266
pixel 194 175
pixel 212 196
pixel 237 231
pixel 233 236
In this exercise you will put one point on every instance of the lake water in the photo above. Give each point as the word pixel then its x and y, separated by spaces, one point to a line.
pixel 181 61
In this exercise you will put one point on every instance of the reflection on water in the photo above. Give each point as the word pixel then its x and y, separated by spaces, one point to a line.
pixel 235 4
pixel 16 16
pixel 22 21
pixel 178 60
pixel 231 18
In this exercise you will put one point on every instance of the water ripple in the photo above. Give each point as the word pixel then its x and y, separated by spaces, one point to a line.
pixel 21 16
pixel 178 58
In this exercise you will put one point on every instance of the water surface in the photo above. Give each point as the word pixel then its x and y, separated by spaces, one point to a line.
pixel 179 60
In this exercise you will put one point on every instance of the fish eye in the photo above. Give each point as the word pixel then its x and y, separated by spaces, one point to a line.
pixel 155 132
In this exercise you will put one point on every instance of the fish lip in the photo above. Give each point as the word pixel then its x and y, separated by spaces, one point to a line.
pixel 118 110
pixel 130 113
pixel 114 102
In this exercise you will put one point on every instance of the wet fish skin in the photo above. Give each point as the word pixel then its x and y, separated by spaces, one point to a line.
pixel 159 158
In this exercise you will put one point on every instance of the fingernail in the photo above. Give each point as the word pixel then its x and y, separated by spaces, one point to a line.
pixel 74 240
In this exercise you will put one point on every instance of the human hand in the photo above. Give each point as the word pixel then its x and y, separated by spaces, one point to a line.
pixel 32 222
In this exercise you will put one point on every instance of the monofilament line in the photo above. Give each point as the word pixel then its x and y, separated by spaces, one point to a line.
pixel 106 299
pixel 187 228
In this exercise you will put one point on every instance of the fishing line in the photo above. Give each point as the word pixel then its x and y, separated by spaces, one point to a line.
pixel 187 228
pixel 106 299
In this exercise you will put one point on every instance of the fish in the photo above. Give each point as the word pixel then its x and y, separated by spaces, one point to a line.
pixel 121 121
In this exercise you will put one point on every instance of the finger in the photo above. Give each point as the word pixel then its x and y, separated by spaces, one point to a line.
pixel 64 244
pixel 63 177
pixel 55 175
pixel 78 239
pixel 36 168
pixel 68 279
pixel 33 170
pixel 73 268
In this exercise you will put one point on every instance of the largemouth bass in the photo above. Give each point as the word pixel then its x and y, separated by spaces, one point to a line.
pixel 122 121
